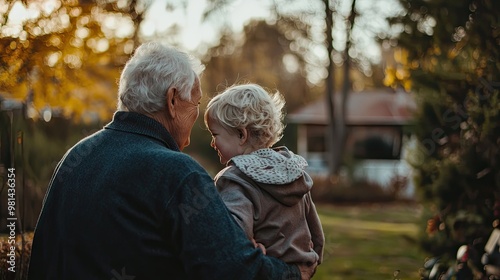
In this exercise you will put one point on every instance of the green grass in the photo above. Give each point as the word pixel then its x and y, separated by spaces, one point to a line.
pixel 370 242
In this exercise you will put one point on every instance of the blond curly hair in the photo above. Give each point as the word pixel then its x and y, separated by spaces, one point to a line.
pixel 251 107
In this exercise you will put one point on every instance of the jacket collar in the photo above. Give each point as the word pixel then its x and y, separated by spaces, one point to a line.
pixel 141 124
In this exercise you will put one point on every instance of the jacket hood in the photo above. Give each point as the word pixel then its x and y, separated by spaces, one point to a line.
pixel 278 171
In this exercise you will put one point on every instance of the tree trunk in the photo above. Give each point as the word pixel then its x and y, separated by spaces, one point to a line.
pixel 340 120
pixel 329 93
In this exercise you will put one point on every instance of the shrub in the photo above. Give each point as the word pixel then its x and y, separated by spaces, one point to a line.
pixel 22 256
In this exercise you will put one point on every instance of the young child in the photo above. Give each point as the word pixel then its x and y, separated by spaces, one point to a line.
pixel 266 189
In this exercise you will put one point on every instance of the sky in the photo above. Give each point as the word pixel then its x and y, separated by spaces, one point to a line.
pixel 195 33
pixel 197 36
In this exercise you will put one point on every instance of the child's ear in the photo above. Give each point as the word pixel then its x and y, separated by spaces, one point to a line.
pixel 243 135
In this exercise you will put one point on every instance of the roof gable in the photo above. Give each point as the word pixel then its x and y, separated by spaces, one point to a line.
pixel 377 107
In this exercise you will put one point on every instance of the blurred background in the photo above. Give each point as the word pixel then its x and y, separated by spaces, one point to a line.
pixel 394 104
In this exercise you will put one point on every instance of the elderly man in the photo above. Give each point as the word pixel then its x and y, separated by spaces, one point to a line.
pixel 126 203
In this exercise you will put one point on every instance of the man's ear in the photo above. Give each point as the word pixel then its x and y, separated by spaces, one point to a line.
pixel 243 135
pixel 170 97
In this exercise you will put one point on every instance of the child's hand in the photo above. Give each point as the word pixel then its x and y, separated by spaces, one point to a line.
pixel 307 270
pixel 259 245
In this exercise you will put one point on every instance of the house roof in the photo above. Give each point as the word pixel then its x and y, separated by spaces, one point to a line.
pixel 373 107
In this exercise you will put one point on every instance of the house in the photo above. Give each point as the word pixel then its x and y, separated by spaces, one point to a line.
pixel 375 121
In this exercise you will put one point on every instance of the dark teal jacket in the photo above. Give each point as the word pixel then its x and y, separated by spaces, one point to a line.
pixel 125 203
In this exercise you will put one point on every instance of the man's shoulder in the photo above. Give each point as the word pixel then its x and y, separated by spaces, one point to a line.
pixel 173 161
pixel 167 156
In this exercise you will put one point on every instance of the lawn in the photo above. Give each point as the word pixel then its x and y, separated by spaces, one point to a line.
pixel 370 242
pixel 367 242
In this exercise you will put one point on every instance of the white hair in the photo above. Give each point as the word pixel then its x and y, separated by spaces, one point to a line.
pixel 150 72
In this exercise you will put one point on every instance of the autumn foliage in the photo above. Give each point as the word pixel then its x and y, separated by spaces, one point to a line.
pixel 64 57
pixel 22 254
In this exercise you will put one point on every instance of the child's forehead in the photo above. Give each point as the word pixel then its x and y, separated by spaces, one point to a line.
pixel 213 124
pixel 217 126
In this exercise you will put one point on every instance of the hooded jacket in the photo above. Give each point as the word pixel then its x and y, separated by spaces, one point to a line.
pixel 268 194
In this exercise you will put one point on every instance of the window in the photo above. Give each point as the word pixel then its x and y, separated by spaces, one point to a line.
pixel 316 138
pixel 374 142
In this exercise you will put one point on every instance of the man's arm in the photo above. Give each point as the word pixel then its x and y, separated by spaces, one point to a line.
pixel 210 243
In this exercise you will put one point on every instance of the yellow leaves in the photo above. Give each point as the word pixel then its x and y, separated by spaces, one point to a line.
pixel 390 76
pixel 399 74
pixel 63 60
pixel 74 106
pixel 402 74
pixel 436 50
pixel 38 100
pixel 394 77
pixel 20 92
pixel 452 53
pixel 70 81
pixel 401 56
pixel 54 40
pixel 11 63
pixel 71 93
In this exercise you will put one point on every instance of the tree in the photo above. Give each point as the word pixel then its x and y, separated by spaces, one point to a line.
pixel 451 55
pixel 262 56
pixel 65 58
pixel 337 133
